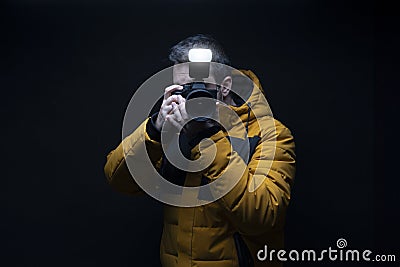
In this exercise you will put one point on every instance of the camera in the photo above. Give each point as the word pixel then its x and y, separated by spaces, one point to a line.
pixel 201 101
pixel 195 90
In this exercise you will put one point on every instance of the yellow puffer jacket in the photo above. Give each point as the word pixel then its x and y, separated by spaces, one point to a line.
pixel 231 230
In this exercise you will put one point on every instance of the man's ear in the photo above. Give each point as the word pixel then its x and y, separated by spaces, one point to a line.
pixel 226 86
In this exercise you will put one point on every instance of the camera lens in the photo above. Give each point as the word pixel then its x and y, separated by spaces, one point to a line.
pixel 199 93
pixel 200 101
pixel 200 104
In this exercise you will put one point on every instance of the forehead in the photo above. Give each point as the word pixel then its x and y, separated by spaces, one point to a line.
pixel 180 73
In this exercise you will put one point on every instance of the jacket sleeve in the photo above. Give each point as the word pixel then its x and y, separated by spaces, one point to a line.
pixel 116 169
pixel 272 168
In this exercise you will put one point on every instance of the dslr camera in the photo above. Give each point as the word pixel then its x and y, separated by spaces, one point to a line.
pixel 200 103
pixel 196 90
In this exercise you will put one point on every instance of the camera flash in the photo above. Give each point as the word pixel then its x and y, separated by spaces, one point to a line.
pixel 200 55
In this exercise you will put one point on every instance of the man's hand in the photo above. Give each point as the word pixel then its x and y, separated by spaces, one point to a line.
pixel 170 101
pixel 174 112
pixel 178 118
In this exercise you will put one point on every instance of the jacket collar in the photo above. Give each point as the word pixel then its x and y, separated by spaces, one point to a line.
pixel 255 106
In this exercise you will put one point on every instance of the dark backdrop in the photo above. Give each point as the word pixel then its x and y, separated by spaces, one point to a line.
pixel 68 70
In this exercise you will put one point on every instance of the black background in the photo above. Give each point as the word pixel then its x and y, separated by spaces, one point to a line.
pixel 69 69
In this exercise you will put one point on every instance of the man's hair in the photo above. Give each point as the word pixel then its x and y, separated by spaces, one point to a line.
pixel 179 52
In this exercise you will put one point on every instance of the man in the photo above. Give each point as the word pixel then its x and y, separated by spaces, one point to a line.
pixel 231 230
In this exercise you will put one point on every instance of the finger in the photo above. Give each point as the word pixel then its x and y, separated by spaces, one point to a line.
pixel 182 110
pixel 173 122
pixel 180 99
pixel 170 89
pixel 166 109
pixel 177 112
pixel 171 99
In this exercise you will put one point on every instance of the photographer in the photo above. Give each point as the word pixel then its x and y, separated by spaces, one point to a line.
pixel 230 230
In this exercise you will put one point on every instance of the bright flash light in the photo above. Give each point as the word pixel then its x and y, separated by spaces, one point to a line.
pixel 200 55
